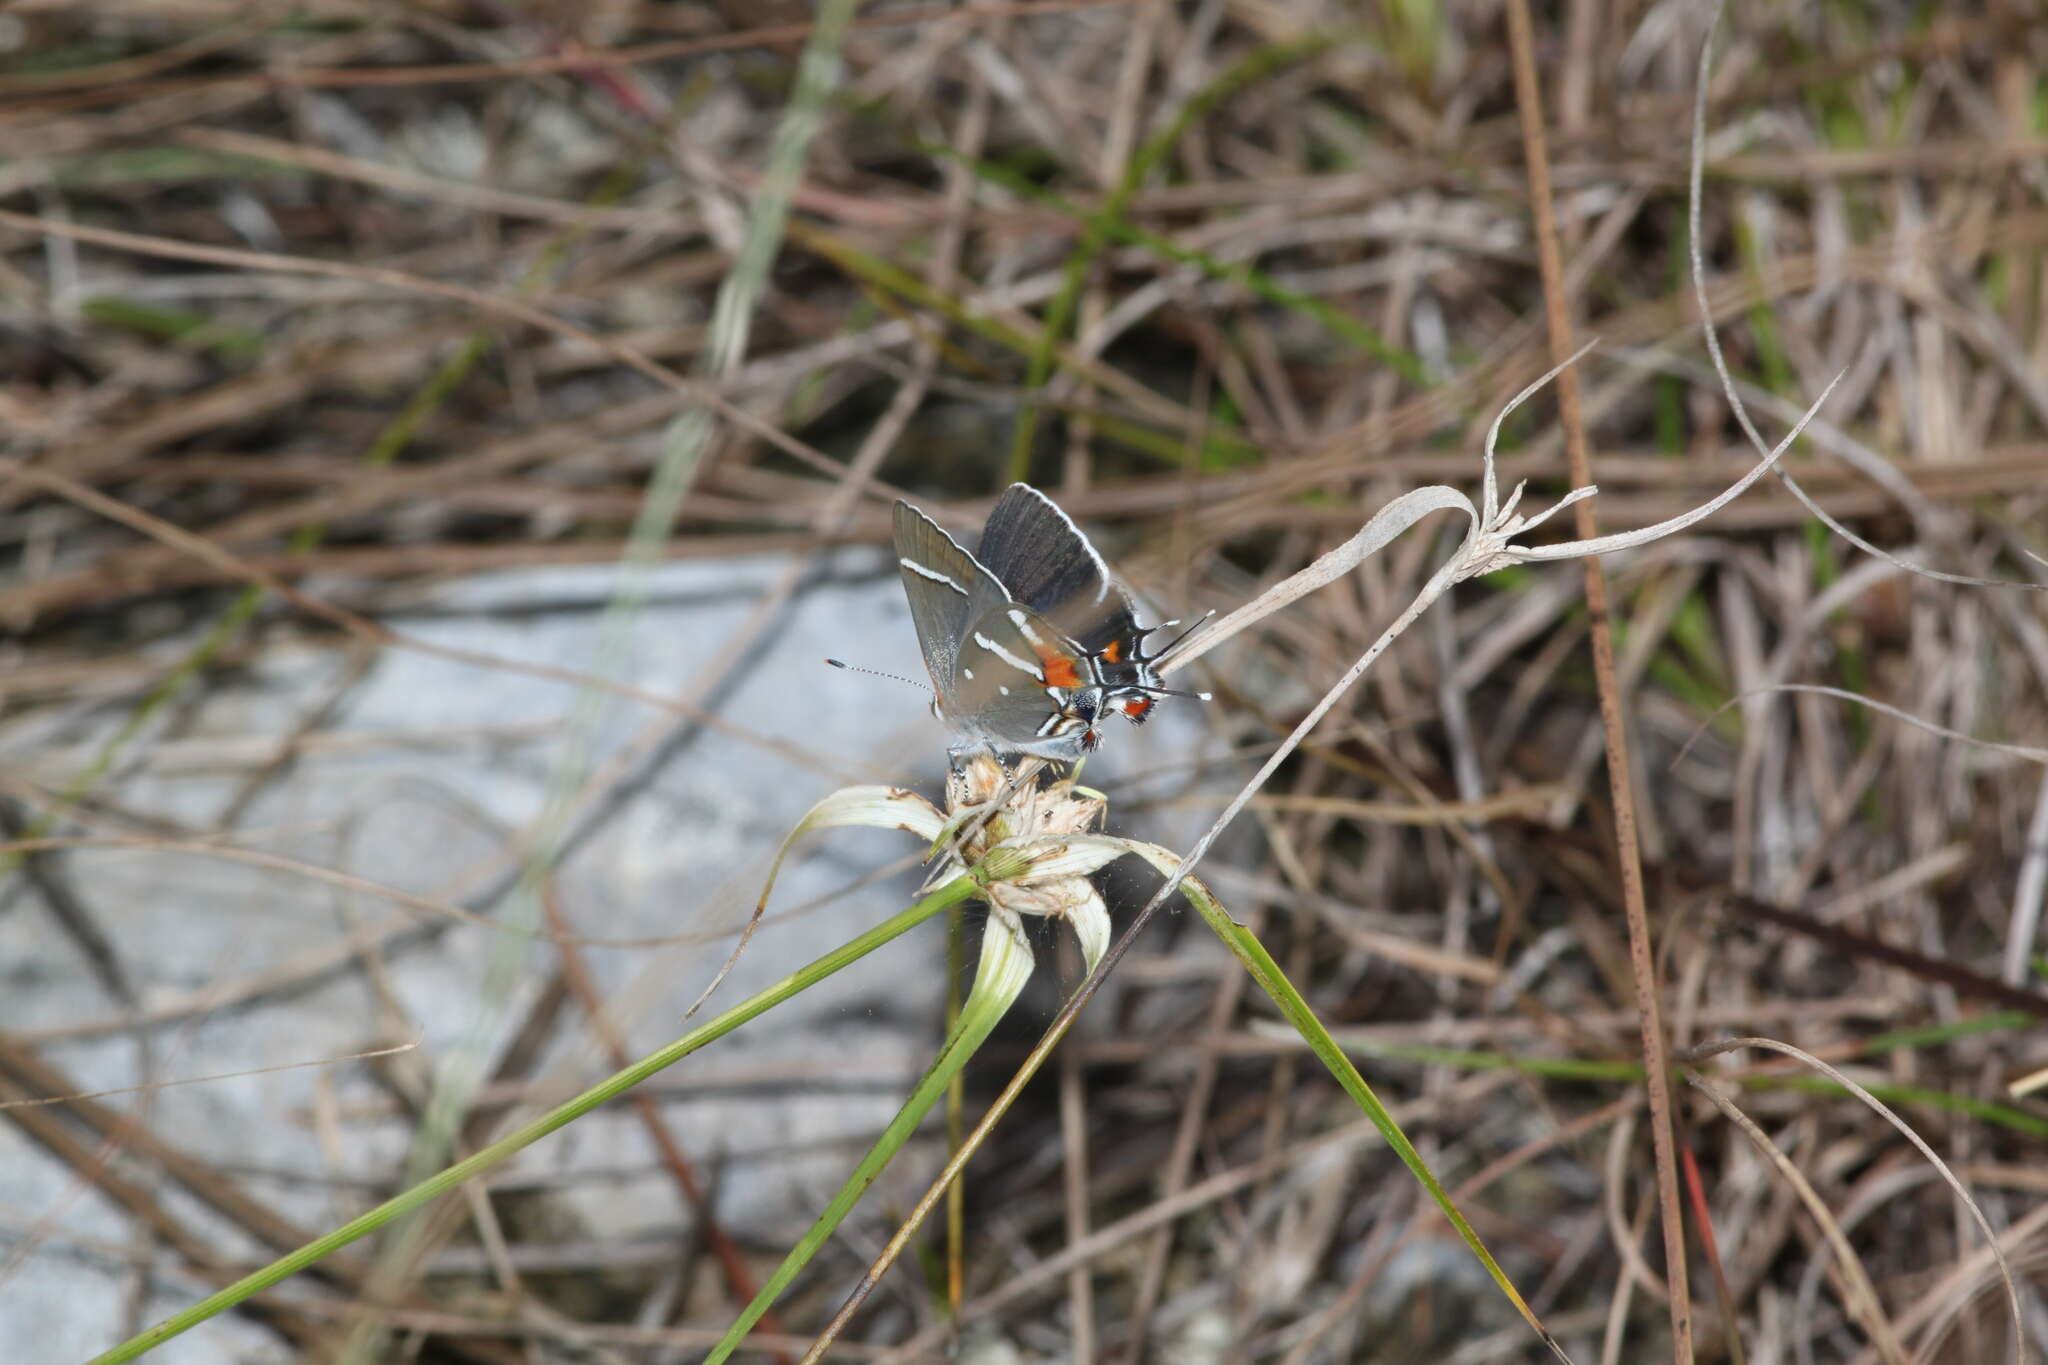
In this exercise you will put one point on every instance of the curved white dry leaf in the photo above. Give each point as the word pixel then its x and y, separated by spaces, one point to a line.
pixel 1390 521
pixel 1489 488
pixel 1487 547
pixel 1090 920
pixel 1623 540
pixel 1006 960
pixel 875 807
pixel 1862 1300
pixel 1066 855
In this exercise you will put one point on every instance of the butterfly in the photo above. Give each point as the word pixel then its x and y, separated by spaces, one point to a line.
pixel 1030 642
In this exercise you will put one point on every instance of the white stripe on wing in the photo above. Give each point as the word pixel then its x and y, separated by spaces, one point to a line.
pixel 1007 657
pixel 933 574
pixel 1023 624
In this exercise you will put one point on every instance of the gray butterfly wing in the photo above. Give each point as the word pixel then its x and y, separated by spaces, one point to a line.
pixel 992 658
pixel 1023 686
pixel 1037 553
pixel 947 588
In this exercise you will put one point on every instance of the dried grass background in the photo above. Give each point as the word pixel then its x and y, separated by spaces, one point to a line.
pixel 321 361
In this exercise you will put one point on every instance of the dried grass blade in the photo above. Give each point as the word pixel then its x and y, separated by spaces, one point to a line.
pixel 1863 1302
pixel 1706 1050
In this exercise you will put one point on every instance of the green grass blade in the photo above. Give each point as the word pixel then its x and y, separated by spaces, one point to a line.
pixel 1005 967
pixel 1615 1071
pixel 1245 946
pixel 181 326
pixel 1266 972
pixel 1934 1035
pixel 1989 1111
pixel 955 891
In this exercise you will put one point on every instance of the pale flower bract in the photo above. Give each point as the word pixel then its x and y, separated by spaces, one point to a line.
pixel 1050 826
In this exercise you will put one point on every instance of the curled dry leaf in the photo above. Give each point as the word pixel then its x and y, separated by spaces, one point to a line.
pixel 1488 546
pixel 1703 1051
pixel 879 807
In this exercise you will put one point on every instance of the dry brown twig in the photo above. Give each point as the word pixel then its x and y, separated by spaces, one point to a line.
pixel 1649 990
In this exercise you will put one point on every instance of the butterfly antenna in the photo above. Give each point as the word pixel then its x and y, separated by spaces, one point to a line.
pixel 877 673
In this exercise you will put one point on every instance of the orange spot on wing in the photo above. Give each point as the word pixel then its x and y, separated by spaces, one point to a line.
pixel 1060 669
pixel 1114 652
pixel 1135 708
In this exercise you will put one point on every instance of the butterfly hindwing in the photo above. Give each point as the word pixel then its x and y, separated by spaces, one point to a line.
pixel 948 591
pixel 1035 550
pixel 1016 675
pixel 1032 642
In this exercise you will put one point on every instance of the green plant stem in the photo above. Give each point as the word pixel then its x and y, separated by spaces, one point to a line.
pixel 956 1117
pixel 955 891
pixel 1269 976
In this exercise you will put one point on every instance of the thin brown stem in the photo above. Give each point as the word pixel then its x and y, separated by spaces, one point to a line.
pixel 1557 320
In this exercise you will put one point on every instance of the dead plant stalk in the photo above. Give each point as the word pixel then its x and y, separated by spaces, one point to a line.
pixel 1642 961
